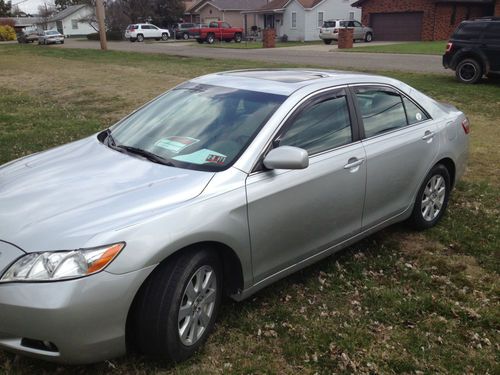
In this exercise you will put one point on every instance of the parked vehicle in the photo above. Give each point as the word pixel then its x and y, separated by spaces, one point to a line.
pixel 217 31
pixel 181 30
pixel 50 37
pixel 140 31
pixel 222 185
pixel 26 37
pixel 474 50
pixel 330 30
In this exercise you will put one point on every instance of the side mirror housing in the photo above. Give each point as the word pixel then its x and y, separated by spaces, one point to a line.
pixel 287 157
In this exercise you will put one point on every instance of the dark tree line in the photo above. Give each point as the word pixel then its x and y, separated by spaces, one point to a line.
pixel 119 13
pixel 5 8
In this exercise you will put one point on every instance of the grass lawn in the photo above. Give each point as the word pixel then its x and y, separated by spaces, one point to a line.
pixel 424 48
pixel 398 302
pixel 257 45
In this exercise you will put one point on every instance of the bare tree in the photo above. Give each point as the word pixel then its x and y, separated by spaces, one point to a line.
pixel 46 11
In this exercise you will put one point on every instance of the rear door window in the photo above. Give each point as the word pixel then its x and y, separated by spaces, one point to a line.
pixel 469 30
pixel 384 110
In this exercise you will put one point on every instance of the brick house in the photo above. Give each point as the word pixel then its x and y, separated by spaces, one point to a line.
pixel 421 19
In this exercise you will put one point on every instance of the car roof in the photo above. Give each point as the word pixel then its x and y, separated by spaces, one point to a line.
pixel 287 81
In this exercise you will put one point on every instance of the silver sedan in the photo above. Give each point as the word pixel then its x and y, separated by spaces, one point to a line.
pixel 223 184
pixel 50 37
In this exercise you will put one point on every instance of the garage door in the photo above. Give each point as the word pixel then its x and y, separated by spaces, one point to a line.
pixel 397 26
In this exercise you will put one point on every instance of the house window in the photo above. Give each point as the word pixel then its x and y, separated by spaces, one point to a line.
pixel 294 20
pixel 320 19
pixel 74 24
pixel 351 15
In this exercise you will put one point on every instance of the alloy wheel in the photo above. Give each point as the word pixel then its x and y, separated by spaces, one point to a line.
pixel 197 305
pixel 433 197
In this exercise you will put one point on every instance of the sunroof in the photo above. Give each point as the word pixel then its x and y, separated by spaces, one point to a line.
pixel 285 76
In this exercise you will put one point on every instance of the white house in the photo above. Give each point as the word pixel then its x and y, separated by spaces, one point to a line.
pixel 302 19
pixel 75 20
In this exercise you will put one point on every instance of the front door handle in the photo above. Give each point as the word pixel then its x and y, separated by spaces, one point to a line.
pixel 428 135
pixel 353 164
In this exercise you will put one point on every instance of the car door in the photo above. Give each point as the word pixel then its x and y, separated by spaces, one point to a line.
pixel 226 31
pixel 154 31
pixel 358 30
pixel 294 214
pixel 490 45
pixel 400 141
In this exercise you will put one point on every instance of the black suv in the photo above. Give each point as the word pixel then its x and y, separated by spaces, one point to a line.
pixel 474 49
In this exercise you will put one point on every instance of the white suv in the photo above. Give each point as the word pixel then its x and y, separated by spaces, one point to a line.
pixel 330 30
pixel 141 31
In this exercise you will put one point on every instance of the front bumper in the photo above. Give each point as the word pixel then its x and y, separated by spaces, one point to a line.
pixel 75 322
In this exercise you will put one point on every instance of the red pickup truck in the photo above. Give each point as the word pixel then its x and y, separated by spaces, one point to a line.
pixel 217 31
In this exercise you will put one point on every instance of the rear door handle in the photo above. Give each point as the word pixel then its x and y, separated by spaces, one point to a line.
pixel 428 135
pixel 353 164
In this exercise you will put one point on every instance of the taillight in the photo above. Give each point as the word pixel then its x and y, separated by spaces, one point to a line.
pixel 449 46
pixel 466 126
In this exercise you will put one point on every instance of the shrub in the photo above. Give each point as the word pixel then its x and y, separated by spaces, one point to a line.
pixel 110 35
pixel 7 33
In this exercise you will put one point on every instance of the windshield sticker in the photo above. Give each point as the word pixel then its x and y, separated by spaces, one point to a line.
pixel 176 144
pixel 202 157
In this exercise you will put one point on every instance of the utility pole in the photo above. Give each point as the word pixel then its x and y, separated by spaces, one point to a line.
pixel 99 11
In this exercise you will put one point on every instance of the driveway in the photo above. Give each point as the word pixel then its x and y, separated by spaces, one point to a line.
pixel 318 55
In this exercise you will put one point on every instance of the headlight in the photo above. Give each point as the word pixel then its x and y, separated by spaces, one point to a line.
pixel 61 265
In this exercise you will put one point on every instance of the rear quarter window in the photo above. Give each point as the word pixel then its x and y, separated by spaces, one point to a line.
pixel 469 31
pixel 329 24
pixel 492 31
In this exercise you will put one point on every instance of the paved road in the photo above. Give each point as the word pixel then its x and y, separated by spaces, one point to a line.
pixel 320 55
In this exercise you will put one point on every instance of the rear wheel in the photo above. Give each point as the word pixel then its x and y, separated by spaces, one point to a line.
pixel 327 41
pixel 432 198
pixel 177 306
pixel 185 36
pixel 469 71
pixel 140 38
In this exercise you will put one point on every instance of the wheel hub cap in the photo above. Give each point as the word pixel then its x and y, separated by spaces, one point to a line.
pixel 433 197
pixel 197 305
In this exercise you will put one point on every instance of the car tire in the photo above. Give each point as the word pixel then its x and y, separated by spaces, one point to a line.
pixel 173 289
pixel 327 41
pixel 368 37
pixel 140 38
pixel 469 71
pixel 432 198
pixel 185 36
pixel 164 36
pixel 238 37
pixel 210 38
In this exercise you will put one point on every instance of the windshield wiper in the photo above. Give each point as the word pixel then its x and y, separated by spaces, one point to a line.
pixel 148 155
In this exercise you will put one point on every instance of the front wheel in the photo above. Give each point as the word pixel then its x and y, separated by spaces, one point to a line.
pixel 164 36
pixel 210 38
pixel 469 71
pixel 238 38
pixel 432 198
pixel 185 36
pixel 368 37
pixel 176 308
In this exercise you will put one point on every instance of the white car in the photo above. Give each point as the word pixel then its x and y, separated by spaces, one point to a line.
pixel 141 31
pixel 330 30
pixel 50 36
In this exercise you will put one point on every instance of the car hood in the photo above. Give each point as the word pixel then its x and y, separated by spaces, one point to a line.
pixel 61 198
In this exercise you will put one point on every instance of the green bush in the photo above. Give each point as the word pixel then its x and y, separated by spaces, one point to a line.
pixel 7 33
pixel 110 35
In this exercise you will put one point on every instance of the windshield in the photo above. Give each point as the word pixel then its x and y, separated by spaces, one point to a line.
pixel 52 33
pixel 197 126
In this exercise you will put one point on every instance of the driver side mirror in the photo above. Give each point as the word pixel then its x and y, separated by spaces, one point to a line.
pixel 286 157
